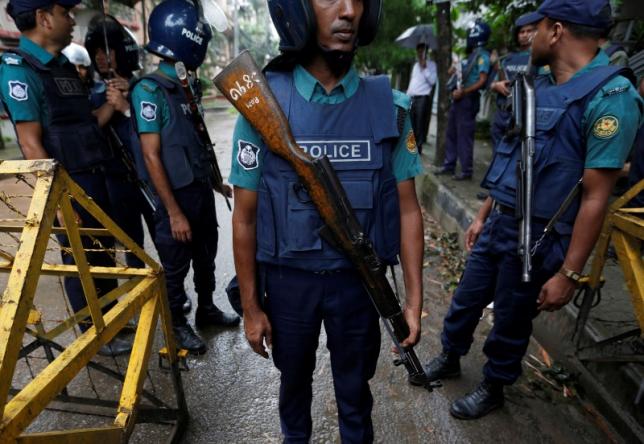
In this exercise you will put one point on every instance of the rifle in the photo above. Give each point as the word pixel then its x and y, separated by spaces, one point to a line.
pixel 128 161
pixel 244 85
pixel 523 123
pixel 196 112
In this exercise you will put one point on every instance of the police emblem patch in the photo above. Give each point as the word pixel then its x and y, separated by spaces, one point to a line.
pixel 411 142
pixel 148 111
pixel 247 155
pixel 18 90
pixel 606 127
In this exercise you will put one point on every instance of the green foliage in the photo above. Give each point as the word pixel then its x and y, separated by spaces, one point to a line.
pixel 384 55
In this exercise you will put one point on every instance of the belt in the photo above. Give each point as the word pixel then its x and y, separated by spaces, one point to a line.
pixel 510 211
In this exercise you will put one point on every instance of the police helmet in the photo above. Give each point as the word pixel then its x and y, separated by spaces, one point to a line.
pixel 479 34
pixel 77 55
pixel 120 40
pixel 179 32
pixel 295 22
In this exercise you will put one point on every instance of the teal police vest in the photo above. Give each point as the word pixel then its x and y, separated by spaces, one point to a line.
pixel 182 152
pixel 560 150
pixel 358 135
pixel 71 135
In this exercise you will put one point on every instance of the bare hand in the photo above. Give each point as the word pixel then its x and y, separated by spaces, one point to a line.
pixel 472 234
pixel 119 83
pixel 116 99
pixel 180 227
pixel 258 332
pixel 458 94
pixel 502 87
pixel 556 293
pixel 228 191
pixel 412 316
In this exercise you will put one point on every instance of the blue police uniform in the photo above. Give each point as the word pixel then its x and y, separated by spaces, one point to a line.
pixel 306 281
pixel 38 87
pixel 462 116
pixel 158 106
pixel 126 201
pixel 588 122
pixel 511 65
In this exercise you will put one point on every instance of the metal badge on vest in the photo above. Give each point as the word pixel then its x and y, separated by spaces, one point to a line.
pixel 71 135
pixel 358 136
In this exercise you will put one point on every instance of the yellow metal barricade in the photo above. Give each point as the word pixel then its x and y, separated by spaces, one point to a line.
pixel 141 292
pixel 624 228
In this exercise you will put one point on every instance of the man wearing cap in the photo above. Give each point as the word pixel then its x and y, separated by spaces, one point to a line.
pixel 509 66
pixel 587 117
pixel 54 119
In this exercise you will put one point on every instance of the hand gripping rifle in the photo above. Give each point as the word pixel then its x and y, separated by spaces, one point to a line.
pixel 196 112
pixel 246 88
pixel 524 124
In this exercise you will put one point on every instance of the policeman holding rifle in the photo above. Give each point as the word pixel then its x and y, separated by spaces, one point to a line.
pixel 587 114
pixel 291 279
pixel 176 161
pixel 49 108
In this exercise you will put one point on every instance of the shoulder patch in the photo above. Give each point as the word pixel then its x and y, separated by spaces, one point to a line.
pixel 247 155
pixel 481 60
pixel 411 142
pixel 18 90
pixel 148 111
pixel 615 91
pixel 606 127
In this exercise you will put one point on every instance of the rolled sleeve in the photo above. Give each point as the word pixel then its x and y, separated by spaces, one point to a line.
pixel 21 92
pixel 611 122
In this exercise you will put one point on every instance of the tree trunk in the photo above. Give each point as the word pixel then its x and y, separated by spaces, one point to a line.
pixel 443 62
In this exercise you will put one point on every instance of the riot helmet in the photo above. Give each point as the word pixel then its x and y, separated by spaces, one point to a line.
pixel 123 46
pixel 178 32
pixel 295 22
pixel 478 35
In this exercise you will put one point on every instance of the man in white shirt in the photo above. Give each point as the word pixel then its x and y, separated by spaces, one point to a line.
pixel 421 84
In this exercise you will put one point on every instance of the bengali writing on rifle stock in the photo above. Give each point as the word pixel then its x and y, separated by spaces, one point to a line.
pixel 239 90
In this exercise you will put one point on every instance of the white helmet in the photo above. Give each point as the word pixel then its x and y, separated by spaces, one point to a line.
pixel 77 54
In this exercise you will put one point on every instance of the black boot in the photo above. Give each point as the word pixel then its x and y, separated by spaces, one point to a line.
pixel 211 315
pixel 443 366
pixel 188 339
pixel 486 397
pixel 115 347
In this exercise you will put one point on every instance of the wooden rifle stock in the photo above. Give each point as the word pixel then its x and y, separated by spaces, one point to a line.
pixel 244 85
pixel 202 130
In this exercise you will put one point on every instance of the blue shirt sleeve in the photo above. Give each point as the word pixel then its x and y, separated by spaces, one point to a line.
pixel 611 121
pixel 150 107
pixel 406 162
pixel 21 91
pixel 246 166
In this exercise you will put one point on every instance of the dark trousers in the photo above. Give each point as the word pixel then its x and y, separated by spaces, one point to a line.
pixel 493 274
pixel 93 183
pixel 128 205
pixel 198 205
pixel 460 133
pixel 297 303
pixel 421 108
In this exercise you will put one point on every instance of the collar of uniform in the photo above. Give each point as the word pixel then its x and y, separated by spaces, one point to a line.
pixel 41 54
pixel 313 91
pixel 168 69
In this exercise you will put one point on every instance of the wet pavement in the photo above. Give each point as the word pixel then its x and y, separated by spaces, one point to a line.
pixel 232 392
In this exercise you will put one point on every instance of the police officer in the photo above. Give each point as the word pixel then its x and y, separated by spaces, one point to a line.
pixel 78 56
pixel 126 199
pixel 509 66
pixel 54 119
pixel 466 103
pixel 305 281
pixel 174 157
pixel 587 117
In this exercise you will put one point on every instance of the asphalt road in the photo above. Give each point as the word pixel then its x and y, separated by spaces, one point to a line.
pixel 232 393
